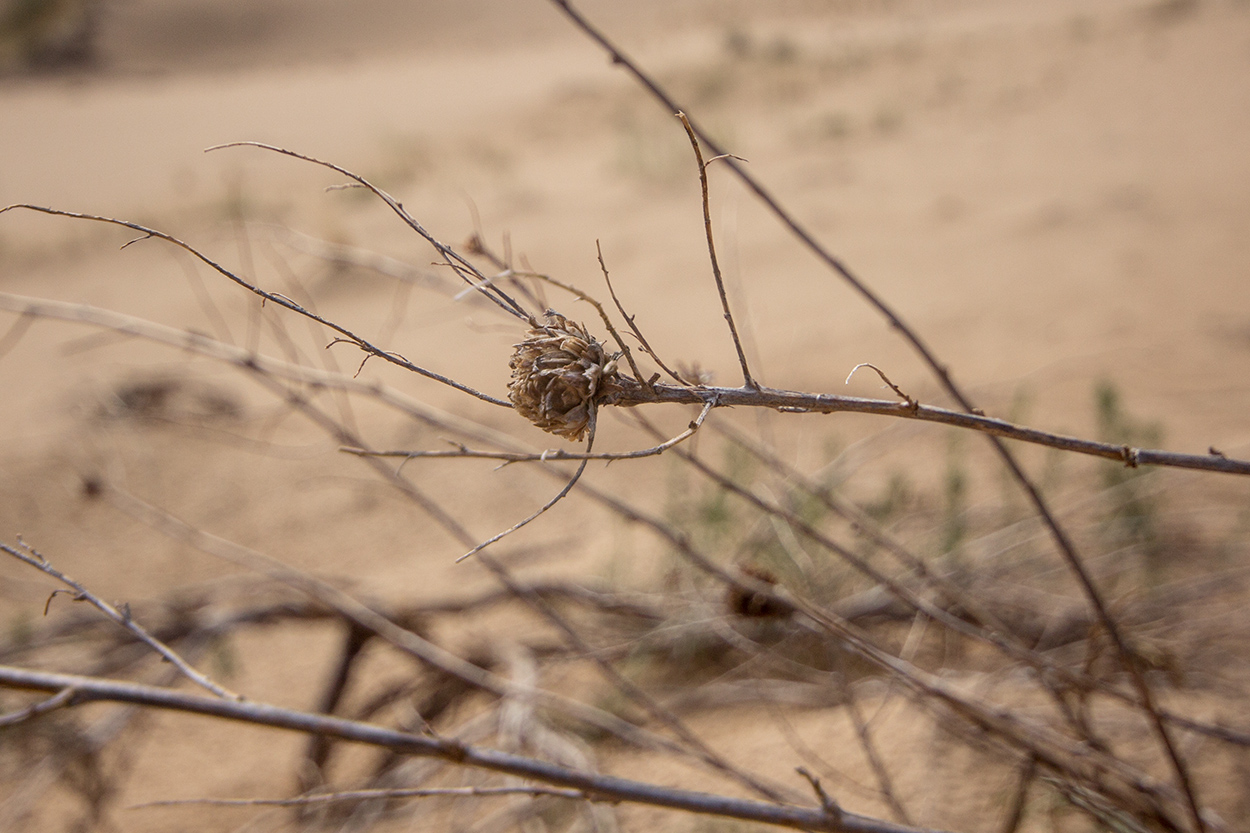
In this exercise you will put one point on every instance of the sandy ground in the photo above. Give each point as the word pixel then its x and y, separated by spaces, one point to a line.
pixel 1052 194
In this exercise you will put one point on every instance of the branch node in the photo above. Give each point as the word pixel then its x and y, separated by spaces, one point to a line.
pixel 141 237
pixel 831 808
pixel 1131 456
pixel 912 404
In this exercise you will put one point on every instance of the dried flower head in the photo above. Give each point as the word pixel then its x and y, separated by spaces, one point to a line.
pixel 743 601
pixel 558 373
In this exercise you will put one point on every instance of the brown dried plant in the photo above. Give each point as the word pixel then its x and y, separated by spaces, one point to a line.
pixel 754 629
pixel 559 375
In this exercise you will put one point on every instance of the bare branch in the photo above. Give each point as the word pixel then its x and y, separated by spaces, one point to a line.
pixel 776 399
pixel 463 268
pixel 826 403
pixel 60 700
pixel 271 297
pixel 595 787
pixel 747 381
pixel 34 559
pixel 1061 539
pixel 367 795
pixel 551 455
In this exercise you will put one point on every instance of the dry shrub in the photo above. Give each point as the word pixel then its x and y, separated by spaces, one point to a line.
pixel 915 650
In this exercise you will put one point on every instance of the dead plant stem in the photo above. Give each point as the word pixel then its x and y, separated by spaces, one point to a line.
pixel 596 787
pixel 747 381
pixel 1062 541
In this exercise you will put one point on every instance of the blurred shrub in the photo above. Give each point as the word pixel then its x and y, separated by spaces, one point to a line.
pixel 47 34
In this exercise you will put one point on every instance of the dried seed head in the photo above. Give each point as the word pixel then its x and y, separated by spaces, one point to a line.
pixel 558 373
pixel 745 602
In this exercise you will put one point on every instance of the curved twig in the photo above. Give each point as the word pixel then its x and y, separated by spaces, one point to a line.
pixel 271 297
pixel 568 487
pixel 747 381
pixel 122 617
pixel 453 259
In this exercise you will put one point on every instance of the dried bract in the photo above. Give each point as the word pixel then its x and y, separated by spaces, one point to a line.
pixel 558 373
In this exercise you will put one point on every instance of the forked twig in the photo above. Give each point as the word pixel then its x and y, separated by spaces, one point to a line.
pixel 62 699
pixel 827 803
pixel 633 326
pixel 463 268
pixel 122 617
pixel 1062 541
pixel 577 475
pixel 747 381
pixel 271 297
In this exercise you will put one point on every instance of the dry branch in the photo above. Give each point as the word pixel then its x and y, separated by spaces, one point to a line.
pixel 1062 540
pixel 595 787
pixel 271 297
pixel 564 397
pixel 826 403
pixel 122 617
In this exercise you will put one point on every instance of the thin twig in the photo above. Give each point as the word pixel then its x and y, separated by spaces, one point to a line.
pixel 34 559
pixel 633 326
pixel 905 397
pixel 551 455
pixel 452 258
pixel 577 475
pixel 629 356
pixel 60 700
pixel 366 795
pixel 271 297
pixel 747 381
